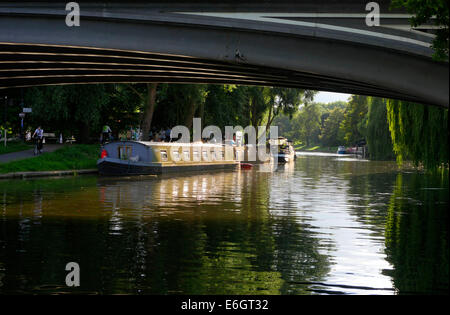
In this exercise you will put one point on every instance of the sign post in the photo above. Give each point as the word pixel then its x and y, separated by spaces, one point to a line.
pixel 22 116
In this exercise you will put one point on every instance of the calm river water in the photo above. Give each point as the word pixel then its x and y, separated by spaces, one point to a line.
pixel 323 225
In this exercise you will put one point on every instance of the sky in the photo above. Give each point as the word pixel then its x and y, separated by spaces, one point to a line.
pixel 328 97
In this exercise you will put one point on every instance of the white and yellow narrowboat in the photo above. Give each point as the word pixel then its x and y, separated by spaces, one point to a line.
pixel 148 158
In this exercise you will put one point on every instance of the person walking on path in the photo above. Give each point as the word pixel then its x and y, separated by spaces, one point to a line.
pixel 39 136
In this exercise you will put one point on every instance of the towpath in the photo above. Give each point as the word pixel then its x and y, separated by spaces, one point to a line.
pixel 20 155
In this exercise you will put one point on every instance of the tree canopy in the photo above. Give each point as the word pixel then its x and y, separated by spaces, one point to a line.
pixel 423 12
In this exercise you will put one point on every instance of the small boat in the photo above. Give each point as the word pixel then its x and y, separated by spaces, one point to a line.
pixel 149 158
pixel 341 150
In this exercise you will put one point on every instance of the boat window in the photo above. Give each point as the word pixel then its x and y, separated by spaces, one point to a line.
pixel 175 155
pixel 222 152
pixel 163 155
pixel 186 155
pixel 196 156
pixel 124 152
pixel 213 155
pixel 205 155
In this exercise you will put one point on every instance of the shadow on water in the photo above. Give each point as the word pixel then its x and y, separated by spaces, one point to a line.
pixel 199 234
pixel 319 226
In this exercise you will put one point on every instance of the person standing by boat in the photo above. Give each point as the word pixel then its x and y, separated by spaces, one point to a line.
pixel 233 141
pixel 167 134
pixel 106 133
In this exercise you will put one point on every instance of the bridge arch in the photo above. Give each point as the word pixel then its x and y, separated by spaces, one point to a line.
pixel 310 46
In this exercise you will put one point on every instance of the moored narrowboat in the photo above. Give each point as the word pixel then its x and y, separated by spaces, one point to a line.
pixel 149 158
pixel 341 150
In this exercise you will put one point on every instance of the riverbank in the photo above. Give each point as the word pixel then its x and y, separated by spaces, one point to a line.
pixel 304 148
pixel 69 159
pixel 22 175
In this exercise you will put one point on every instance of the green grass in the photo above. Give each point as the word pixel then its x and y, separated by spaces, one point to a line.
pixel 70 157
pixel 13 147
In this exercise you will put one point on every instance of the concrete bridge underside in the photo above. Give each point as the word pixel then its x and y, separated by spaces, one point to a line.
pixel 315 47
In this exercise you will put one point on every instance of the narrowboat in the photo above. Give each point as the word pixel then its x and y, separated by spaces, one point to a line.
pixel 285 152
pixel 150 158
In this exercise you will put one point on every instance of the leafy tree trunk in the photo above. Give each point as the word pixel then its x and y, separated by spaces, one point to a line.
pixel 190 115
pixel 254 114
pixel 84 132
pixel 201 111
pixel 270 118
pixel 150 102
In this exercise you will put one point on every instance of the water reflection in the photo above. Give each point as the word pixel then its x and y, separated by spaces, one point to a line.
pixel 321 225
pixel 417 234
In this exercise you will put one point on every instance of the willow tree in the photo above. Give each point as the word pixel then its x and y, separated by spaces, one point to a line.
pixel 419 133
pixel 377 132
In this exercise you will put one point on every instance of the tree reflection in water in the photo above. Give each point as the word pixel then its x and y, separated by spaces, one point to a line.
pixel 196 234
pixel 417 234
pixel 321 225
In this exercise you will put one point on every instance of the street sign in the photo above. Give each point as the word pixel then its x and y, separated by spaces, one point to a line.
pixel 27 109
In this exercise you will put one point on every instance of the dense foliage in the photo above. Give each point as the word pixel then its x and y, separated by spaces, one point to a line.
pixel 419 133
pixel 423 12
pixel 333 124
pixel 81 110
pixel 377 131
pixel 391 129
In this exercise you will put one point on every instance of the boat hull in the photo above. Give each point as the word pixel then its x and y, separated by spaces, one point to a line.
pixel 284 158
pixel 109 167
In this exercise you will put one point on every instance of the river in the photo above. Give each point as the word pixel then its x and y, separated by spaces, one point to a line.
pixel 322 225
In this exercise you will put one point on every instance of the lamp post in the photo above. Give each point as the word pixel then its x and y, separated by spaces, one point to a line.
pixel 6 100
pixel 21 115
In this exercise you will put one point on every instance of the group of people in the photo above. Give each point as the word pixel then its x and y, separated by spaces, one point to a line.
pixel 163 135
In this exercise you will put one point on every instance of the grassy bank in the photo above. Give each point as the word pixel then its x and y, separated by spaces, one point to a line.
pixel 70 157
pixel 13 147
pixel 315 149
